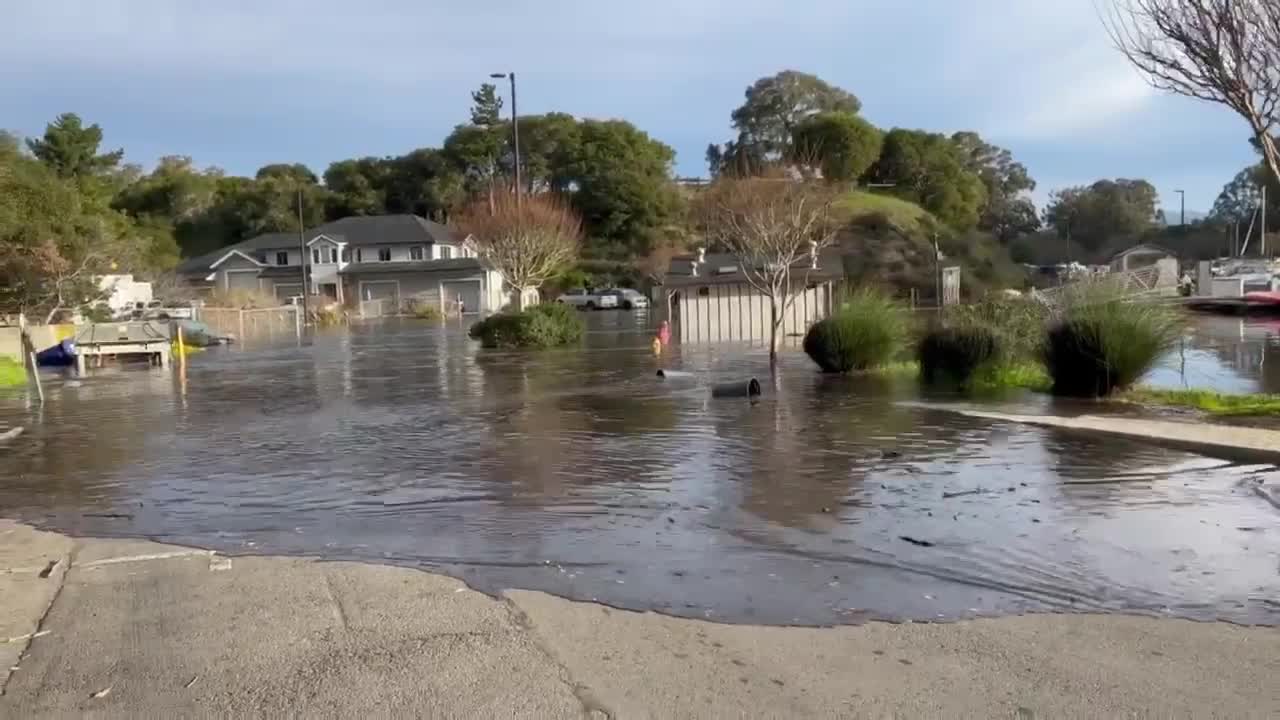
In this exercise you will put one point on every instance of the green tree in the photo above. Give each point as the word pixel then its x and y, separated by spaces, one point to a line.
pixel 297 172
pixel 55 239
pixel 1096 216
pixel 931 170
pixel 71 150
pixel 621 184
pixel 548 145
pixel 423 182
pixel 486 106
pixel 842 144
pixel 1008 212
pixel 356 187
pixel 776 105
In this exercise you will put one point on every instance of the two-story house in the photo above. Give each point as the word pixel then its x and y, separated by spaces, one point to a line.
pixel 378 264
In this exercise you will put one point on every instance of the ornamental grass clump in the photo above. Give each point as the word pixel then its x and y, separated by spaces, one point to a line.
pixel 1101 342
pixel 868 330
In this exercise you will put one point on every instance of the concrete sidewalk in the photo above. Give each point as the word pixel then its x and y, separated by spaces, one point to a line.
pixel 1231 442
pixel 136 629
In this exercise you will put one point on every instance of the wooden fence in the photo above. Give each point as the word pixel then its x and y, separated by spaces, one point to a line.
pixel 253 324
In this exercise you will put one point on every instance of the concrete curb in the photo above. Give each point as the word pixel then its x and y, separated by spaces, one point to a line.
pixel 1222 441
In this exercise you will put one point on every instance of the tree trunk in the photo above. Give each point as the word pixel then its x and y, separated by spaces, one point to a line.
pixel 774 322
pixel 520 299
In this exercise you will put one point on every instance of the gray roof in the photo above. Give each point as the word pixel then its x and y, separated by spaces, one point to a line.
pixel 355 231
pixel 719 268
pixel 367 268
pixel 282 271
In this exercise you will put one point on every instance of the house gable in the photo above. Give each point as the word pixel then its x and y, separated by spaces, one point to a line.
pixel 235 259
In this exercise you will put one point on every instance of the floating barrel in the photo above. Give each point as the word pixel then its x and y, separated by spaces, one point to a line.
pixel 748 388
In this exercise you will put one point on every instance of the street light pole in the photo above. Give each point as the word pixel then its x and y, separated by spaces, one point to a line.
pixel 302 256
pixel 1182 195
pixel 515 129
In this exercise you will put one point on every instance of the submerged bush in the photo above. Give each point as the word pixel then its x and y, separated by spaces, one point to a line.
pixel 1102 343
pixel 869 329
pixel 425 311
pixel 1017 324
pixel 541 326
pixel 953 355
pixel 12 373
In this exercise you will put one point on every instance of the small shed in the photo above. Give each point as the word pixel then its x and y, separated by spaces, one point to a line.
pixel 1139 256
pixel 709 300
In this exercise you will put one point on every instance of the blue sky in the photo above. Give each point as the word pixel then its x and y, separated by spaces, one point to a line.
pixel 239 84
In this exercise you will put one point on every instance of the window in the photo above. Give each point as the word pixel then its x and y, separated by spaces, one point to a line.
pixel 315 255
pixel 346 255
pixel 282 258
pixel 359 255
pixel 446 252
pixel 415 253
pixel 384 254
pixel 260 257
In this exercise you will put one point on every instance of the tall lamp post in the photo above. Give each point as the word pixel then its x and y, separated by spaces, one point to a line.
pixel 302 248
pixel 515 128
pixel 1182 196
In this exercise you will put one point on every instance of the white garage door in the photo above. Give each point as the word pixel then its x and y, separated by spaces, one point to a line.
pixel 466 290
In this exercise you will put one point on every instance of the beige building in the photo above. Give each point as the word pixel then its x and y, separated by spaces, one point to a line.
pixel 707 299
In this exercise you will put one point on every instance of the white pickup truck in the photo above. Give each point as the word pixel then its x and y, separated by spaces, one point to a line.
pixel 584 300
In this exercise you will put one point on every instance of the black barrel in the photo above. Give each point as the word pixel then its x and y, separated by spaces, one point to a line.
pixel 748 388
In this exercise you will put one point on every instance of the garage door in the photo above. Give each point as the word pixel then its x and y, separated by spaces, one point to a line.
pixel 466 290
pixel 378 298
pixel 242 280
pixel 284 291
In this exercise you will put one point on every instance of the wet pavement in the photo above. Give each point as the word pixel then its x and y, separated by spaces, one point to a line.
pixel 580 473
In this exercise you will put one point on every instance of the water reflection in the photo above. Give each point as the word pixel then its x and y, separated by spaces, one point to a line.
pixel 580 473
pixel 1228 354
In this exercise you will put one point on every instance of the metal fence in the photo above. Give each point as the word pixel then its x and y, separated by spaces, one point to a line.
pixel 253 324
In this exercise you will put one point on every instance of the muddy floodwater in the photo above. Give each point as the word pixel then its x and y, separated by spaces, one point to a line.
pixel 582 474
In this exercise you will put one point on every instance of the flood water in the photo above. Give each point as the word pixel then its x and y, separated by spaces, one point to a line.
pixel 580 473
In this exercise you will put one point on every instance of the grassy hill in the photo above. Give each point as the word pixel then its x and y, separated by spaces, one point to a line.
pixel 889 241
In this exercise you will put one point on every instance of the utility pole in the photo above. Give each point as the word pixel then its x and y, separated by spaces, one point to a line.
pixel 1262 249
pixel 515 129
pixel 302 257
pixel 937 269
pixel 1182 194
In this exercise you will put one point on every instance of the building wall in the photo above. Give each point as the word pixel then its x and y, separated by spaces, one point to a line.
pixel 426 286
pixel 738 313
pixel 235 274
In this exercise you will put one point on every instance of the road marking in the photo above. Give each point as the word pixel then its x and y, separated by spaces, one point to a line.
pixel 142 558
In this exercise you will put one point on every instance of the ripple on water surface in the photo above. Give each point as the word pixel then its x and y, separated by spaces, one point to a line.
pixel 581 474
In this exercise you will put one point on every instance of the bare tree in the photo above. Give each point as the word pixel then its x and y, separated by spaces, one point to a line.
pixel 1221 51
pixel 528 241
pixel 776 227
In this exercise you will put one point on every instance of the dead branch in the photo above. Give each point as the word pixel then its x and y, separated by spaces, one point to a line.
pixel 1221 51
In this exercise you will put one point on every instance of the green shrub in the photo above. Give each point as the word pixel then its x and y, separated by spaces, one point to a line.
pixel 953 355
pixel 1017 323
pixel 868 329
pixel 12 373
pixel 423 311
pixel 541 326
pixel 1101 343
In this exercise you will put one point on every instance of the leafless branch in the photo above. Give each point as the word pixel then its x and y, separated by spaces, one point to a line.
pixel 527 240
pixel 775 227
pixel 1221 51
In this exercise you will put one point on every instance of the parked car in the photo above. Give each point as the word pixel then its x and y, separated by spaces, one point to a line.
pixel 629 299
pixel 585 300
